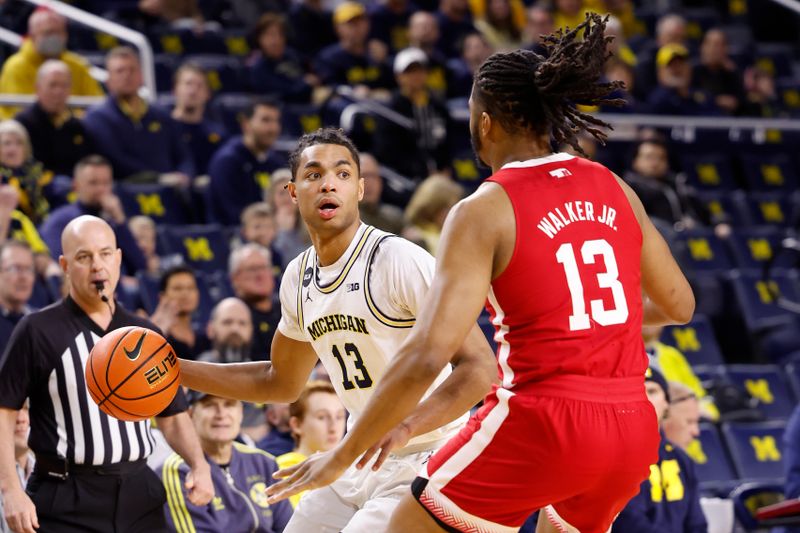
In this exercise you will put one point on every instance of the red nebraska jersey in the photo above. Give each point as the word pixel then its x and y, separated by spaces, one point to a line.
pixel 569 301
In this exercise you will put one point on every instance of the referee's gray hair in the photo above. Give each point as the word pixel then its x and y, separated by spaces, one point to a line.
pixel 238 255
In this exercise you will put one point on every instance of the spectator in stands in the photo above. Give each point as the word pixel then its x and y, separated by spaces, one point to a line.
pixel 682 426
pixel 143 230
pixel 761 99
pixel 292 237
pixel 662 193
pixel 58 139
pixel 616 69
pixel 539 24
pixel 241 169
pixel 259 227
pixel 278 440
pixel 624 10
pixel 278 70
pixel 670 29
pixel 455 22
pixel 178 15
pixel 674 94
pixel 428 208
pixel 422 148
pixel 17 276
pixel 669 500
pixel 230 330
pixel 178 301
pixel 317 421
pixel 355 60
pixel 141 140
pixel 15 226
pixel 618 46
pixel 474 51
pixel 423 33
pixel 47 39
pixel 253 281
pixel 22 454
pixel 94 195
pixel 499 26
pixel 791 455
pixel 18 168
pixel 312 28
pixel 716 73
pixel 201 135
pixel 373 211
pixel 389 23
pixel 239 473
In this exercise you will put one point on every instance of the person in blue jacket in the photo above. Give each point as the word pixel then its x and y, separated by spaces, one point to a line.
pixel 241 170
pixel 240 475
pixel 668 501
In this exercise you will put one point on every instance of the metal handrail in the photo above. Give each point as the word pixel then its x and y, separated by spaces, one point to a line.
pixel 8 99
pixel 112 28
pixel 793 5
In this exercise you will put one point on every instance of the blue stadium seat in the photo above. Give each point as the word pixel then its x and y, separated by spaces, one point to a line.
pixel 768 384
pixel 709 171
pixel 711 458
pixel 297 119
pixel 709 373
pixel 726 206
pixel 236 42
pixel 185 41
pixel 161 203
pixel 698 20
pixel 756 448
pixel 775 58
pixel 769 172
pixel 769 208
pixel 148 291
pixel 203 247
pixel 224 74
pixel 227 107
pixel 704 251
pixel 753 247
pixel 165 66
pixel 750 496
pixel 695 340
pixel 756 300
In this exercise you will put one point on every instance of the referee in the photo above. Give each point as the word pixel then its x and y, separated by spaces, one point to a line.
pixel 90 474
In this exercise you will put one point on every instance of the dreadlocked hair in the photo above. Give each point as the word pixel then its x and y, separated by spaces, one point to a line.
pixel 525 91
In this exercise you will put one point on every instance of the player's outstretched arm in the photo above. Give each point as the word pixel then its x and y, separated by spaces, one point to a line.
pixel 464 271
pixel 669 297
pixel 279 380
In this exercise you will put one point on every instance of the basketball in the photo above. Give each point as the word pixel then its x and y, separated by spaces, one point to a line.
pixel 132 373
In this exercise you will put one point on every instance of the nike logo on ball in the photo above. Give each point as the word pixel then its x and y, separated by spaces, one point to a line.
pixel 134 354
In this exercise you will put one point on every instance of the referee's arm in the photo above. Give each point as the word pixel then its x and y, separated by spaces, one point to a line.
pixel 20 513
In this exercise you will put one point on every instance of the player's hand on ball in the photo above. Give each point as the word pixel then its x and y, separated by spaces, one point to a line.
pixel 199 486
pixel 396 438
pixel 317 471
pixel 20 513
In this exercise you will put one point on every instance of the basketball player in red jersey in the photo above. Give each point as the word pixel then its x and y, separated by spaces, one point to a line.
pixel 565 252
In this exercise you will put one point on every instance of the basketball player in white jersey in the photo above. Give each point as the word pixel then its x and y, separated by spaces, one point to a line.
pixel 350 301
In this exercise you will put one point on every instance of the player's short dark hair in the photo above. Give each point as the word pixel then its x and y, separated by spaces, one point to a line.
pixel 527 92
pixel 323 136
pixel 255 103
pixel 171 272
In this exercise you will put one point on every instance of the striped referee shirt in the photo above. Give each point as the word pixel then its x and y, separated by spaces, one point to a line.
pixel 45 360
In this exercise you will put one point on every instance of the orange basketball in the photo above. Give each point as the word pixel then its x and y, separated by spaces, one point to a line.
pixel 132 373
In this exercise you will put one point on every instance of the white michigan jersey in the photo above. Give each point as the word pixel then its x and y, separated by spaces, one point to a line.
pixel 358 311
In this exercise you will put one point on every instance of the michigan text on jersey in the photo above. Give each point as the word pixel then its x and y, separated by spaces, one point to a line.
pixel 329 323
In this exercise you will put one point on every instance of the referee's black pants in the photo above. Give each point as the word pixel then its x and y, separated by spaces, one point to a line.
pixel 99 500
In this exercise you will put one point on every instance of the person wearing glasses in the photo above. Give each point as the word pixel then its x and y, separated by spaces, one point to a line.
pixel 17 275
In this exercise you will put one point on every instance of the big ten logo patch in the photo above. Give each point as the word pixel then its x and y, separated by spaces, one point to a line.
pixel 665 481
pixel 765 448
pixel 156 374
pixel 198 249
pixel 700 249
pixel 150 204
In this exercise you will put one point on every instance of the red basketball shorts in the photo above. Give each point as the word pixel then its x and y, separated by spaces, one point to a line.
pixel 580 444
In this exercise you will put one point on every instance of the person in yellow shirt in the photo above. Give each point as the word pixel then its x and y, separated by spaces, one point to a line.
pixel 317 422
pixel 47 39
pixel 672 363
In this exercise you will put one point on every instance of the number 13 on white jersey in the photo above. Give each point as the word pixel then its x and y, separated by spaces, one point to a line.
pixel 579 319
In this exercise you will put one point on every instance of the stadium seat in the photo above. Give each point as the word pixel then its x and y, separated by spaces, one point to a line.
pixel 161 203
pixel 709 171
pixel 756 448
pixel 756 299
pixel 768 384
pixel 185 41
pixel 751 496
pixel 204 247
pixel 709 373
pixel 236 42
pixel 773 172
pixel 227 107
pixel 297 119
pixel 165 66
pixel 775 58
pixel 704 251
pixel 753 247
pixel 793 372
pixel 695 340
pixel 224 74
pixel 729 207
pixel 711 458
pixel 769 208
